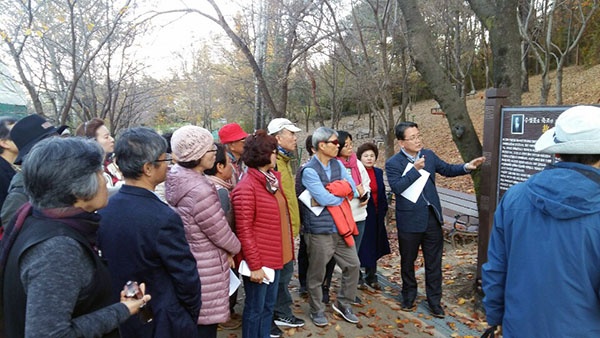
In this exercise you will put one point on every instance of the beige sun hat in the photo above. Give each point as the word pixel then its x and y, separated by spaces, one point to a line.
pixel 577 131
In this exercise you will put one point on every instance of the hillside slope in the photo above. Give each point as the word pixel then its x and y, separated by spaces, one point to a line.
pixel 580 86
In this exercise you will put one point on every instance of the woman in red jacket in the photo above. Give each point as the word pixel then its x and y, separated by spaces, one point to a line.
pixel 264 229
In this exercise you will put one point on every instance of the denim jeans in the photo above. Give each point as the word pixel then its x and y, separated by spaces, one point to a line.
pixel 283 305
pixel 258 307
pixel 302 262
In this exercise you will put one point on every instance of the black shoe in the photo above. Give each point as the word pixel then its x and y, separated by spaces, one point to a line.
pixel 408 306
pixel 275 331
pixel 437 311
pixel 292 321
pixel 357 301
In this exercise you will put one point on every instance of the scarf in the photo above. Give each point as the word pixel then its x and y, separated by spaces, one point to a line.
pixel 285 152
pixel 86 223
pixel 272 182
pixel 351 163
pixel 217 181
pixel 112 170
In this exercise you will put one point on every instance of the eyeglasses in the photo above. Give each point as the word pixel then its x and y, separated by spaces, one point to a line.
pixel 212 151
pixel 168 158
pixel 335 142
pixel 414 138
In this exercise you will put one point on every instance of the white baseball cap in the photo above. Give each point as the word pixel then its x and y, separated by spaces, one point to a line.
pixel 278 124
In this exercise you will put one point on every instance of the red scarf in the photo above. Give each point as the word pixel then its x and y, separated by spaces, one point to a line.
pixel 352 164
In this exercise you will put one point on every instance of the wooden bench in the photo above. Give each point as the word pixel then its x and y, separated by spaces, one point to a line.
pixel 437 110
pixel 460 214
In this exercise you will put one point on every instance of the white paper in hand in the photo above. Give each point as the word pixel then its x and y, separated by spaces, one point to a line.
pixel 244 270
pixel 413 192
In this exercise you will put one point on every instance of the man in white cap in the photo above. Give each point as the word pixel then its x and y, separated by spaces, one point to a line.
pixel 285 133
pixel 542 277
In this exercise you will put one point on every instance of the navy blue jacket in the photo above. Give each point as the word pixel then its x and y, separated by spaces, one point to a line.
pixel 412 217
pixel 375 242
pixel 143 240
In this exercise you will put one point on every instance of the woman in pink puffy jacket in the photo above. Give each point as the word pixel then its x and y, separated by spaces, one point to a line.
pixel 211 240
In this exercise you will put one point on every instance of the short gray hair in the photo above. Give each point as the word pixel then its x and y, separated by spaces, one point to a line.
pixel 322 134
pixel 136 147
pixel 59 171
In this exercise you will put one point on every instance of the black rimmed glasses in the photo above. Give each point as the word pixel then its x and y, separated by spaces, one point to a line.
pixel 213 150
pixel 334 142
pixel 168 158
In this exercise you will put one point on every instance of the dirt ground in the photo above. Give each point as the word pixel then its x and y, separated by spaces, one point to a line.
pixel 380 315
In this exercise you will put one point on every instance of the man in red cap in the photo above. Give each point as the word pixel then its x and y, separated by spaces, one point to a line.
pixel 233 137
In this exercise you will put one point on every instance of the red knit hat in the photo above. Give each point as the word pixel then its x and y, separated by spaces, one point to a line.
pixel 231 132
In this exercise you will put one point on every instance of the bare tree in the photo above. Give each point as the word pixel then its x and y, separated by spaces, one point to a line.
pixel 53 43
pixel 371 46
pixel 457 33
pixel 295 27
pixel 551 43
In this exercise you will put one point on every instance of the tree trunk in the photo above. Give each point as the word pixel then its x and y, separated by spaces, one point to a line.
pixel 559 79
pixel 459 121
pixel 524 9
pixel 524 68
pixel 500 19
pixel 545 88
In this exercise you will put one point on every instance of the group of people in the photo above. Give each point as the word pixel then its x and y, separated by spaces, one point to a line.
pixel 74 262
pixel 229 208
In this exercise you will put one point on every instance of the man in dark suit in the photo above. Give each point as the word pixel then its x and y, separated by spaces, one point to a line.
pixel 143 240
pixel 419 223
